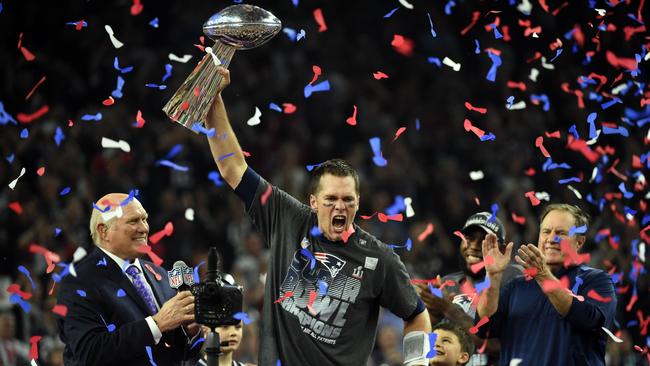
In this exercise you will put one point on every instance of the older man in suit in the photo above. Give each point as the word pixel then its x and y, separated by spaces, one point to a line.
pixel 121 309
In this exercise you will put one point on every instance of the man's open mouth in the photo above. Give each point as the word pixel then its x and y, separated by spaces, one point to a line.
pixel 338 223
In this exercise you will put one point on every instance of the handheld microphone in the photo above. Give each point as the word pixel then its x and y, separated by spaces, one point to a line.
pixel 212 273
pixel 181 276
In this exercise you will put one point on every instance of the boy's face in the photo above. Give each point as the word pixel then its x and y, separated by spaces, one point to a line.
pixel 448 350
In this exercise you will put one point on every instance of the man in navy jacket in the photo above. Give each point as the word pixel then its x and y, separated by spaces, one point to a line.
pixel 555 314
pixel 121 309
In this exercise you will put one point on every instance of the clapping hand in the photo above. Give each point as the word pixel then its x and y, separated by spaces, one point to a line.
pixel 495 260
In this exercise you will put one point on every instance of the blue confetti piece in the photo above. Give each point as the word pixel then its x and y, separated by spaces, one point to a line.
pixel 432 345
pixel 621 130
pixel 390 13
pixel 16 299
pixel 196 272
pixel 574 131
pixel 117 93
pixel 10 158
pixel 222 157
pixel 58 136
pixel 84 24
pixel 510 101
pixel 312 167
pixel 433 32
pixel 172 165
pixel 409 244
pixel 495 210
pixel 320 87
pixel 0 7
pixel 434 60
pixel 198 127
pixel 57 231
pixel 122 70
pixel 315 231
pixel 576 286
pixel 626 194
pixel 488 137
pixel 592 126
pixel 102 210
pixel 120 293
pixel 156 86
pixel 175 150
pixel 81 293
pixel 496 62
pixel 149 353
pixel 482 285
pixel 306 253
pixel 25 271
pixel 198 341
pixel 291 33
pixel 577 230
pixel 417 124
pixel 435 291
pixel 132 194
pixel 295 3
pixel 102 262
pixel 375 145
pixel 154 22
pixel 557 53
pixel 215 177
pixel 24 133
pixel 610 103
pixel 448 6
pixel 5 117
pixel 92 117
pixel 569 180
pixel 397 207
pixel 322 288
pixel 243 317
pixel 497 34
pixel 168 73
pixel 275 107
pixel 300 35
pixel 64 191
pixel 541 98
pixel 477 49
pixel 278 363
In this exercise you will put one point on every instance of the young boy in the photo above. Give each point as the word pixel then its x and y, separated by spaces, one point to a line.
pixel 453 345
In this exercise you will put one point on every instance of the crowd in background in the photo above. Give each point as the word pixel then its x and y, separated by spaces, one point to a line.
pixel 429 162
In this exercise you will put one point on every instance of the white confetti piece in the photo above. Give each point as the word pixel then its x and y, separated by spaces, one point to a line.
pixel 533 74
pixel 595 139
pixel 601 12
pixel 543 196
pixel 112 144
pixel 12 185
pixel 406 4
pixel 611 335
pixel 255 120
pixel 79 254
pixel 107 216
pixel 525 7
pixel 535 35
pixel 575 191
pixel 594 174
pixel 33 362
pixel 642 252
pixel 189 214
pixel 183 59
pixel 116 43
pixel 647 57
pixel 476 175
pixel 215 59
pixel 546 65
pixel 515 362
pixel 449 62
pixel 619 88
pixel 519 105
pixel 409 209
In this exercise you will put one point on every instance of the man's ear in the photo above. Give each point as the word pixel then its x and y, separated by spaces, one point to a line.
pixel 101 230
pixel 464 358
pixel 580 241
pixel 313 203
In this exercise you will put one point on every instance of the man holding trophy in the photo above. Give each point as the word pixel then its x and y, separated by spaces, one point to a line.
pixel 327 277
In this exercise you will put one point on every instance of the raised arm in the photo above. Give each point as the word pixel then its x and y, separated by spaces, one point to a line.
pixel 494 267
pixel 224 145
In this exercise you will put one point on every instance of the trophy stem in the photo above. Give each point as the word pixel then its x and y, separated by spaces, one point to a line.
pixel 191 102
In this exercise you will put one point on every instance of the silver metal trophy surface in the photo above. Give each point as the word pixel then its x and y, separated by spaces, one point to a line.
pixel 237 27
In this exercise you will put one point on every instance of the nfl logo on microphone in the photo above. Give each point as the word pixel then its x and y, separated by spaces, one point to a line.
pixel 175 277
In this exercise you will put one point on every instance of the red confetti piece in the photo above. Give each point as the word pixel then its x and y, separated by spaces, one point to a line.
pixel 318 16
pixel 530 273
pixel 379 75
pixel 366 217
pixel 317 72
pixel 136 8
pixel 70 123
pixel 643 323
pixel 556 11
pixel 476 267
pixel 153 272
pixel 266 195
pixel 477 109
pixel 152 256
pixel 168 230
pixel 459 234
pixel 286 295
pixel 79 25
pixel 108 101
pixel 398 133
pixel 477 201
pixel 28 55
pixel 384 218
pixel 624 62
pixel 539 142
pixel 28 118
pixel 552 285
pixel 427 231
pixel 572 257
pixel 554 135
pixel 469 127
pixel 475 16
pixel 50 257
pixel 521 220
pixel 15 289
pixel 402 45
pixel 34 88
pixel 596 296
pixel 352 120
pixel 583 148
pixel 310 304
pixel 16 207
pixel 517 85
pixel 630 304
pixel 288 108
pixel 33 352
pixel 61 310
pixel 481 322
pixel 347 233
pixel 139 121
pixel 533 200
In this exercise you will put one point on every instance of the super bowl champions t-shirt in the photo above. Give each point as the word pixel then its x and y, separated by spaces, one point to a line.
pixel 322 298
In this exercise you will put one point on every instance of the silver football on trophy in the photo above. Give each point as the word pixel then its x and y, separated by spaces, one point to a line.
pixel 237 27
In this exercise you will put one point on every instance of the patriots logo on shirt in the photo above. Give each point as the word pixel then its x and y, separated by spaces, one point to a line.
pixel 333 263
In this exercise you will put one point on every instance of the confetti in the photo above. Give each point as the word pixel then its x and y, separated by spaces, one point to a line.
pixel 13 183
pixel 390 13
pixel 189 214
pixel 154 22
pixel 427 231
pixel 136 8
pixel 168 230
pixel 117 93
pixel 378 159
pixel 409 209
pixel 379 75
pixel 476 175
pixel 112 144
pixel 352 120
pixel 29 118
pixel 215 177
pixel 139 121
pixel 455 66
pixel 402 45
pixel 320 87
pixel 34 88
pixel 476 109
pixel 474 329
pixel 320 20
pixel 255 119
pixel 114 41
pixel 496 63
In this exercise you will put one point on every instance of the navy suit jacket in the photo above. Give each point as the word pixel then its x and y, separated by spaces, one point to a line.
pixel 106 326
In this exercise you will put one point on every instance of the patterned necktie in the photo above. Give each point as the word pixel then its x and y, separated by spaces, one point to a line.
pixel 141 287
